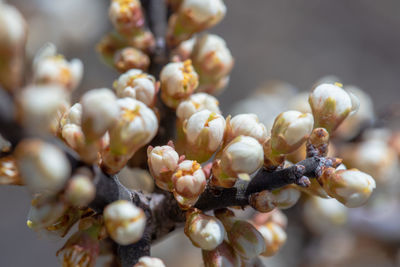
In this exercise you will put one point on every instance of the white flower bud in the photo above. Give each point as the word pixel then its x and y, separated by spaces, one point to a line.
pixel 274 237
pixel 80 190
pixel 149 262
pixel 211 58
pixel 204 132
pixel 124 222
pixel 73 136
pixel 99 112
pixel 185 49
pixel 72 116
pixel 208 12
pixel 137 84
pixel 44 214
pixel 248 125
pixel 286 197
pixel 196 103
pixel 205 232
pixel 290 130
pixel 178 81
pixel 43 167
pixel 351 187
pixel 162 161
pixel 50 68
pixel 130 58
pixel 126 15
pixel 331 105
pixel 189 179
pixel 13 27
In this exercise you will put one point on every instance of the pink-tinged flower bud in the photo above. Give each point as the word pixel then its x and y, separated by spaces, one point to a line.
pixel 149 262
pixel 38 106
pixel 43 167
pixel 351 187
pixel 243 155
pixel 274 238
pixel 137 84
pixel 131 58
pixel 136 126
pixel 50 68
pixel 290 130
pixel 162 161
pixel 9 174
pixel 211 58
pixel 204 132
pixel 13 35
pixel 246 240
pixel 195 103
pixel 184 50
pixel 124 222
pixel 222 256
pixel 194 16
pixel 248 125
pixel 205 232
pixel 330 105
pixel 189 180
pixel 44 213
pixel 99 112
pixel 80 190
pixel 178 82
pixel 126 15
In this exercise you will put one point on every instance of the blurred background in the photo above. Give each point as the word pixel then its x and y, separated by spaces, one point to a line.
pixel 294 41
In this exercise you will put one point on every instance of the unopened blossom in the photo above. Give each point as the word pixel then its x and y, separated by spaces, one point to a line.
pixel 330 105
pixel 351 187
pixel 282 198
pixel 204 132
pixel 9 174
pixel 211 58
pixel 162 161
pixel 184 50
pixel 243 155
pixel 43 167
pixel 227 217
pixel 276 216
pixel 274 237
pixel 248 125
pixel 44 213
pixel 290 130
pixel 194 16
pixel 50 68
pixel 72 116
pixel 196 103
pixel 262 201
pixel 189 179
pixel 124 222
pixel 130 58
pixel 137 84
pixel 99 112
pixel 178 82
pixel 146 261
pixel 221 256
pixel 80 190
pixel 126 15
pixel 205 232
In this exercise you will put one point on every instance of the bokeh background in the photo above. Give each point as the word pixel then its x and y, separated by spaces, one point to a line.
pixel 297 41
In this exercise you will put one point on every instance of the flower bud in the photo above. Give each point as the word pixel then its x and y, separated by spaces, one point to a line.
pixel 80 190
pixel 211 58
pixel 126 15
pixel 290 130
pixel 243 155
pixel 222 256
pixel 162 161
pixel 205 232
pixel 274 238
pixel 178 81
pixel 246 240
pixel 262 201
pixel 226 216
pixel 72 116
pixel 124 222
pixel 215 87
pixel 184 202
pixel 149 262
pixel 204 132
pixel 184 50
pixel 195 103
pixel 282 198
pixel 9 174
pixel 99 112
pixel 276 216
pixel 49 68
pixel 189 180
pixel 248 125
pixel 44 213
pixel 318 143
pixel 131 58
pixel 330 105
pixel 43 167
pixel 137 84
pixel 351 187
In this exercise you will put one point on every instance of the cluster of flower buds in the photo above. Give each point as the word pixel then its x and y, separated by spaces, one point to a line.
pixel 331 104
pixel 149 262
pixel 13 35
pixel 178 82
pixel 138 85
pixel 283 198
pixel 351 187
pixel 194 16
pixel 124 222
